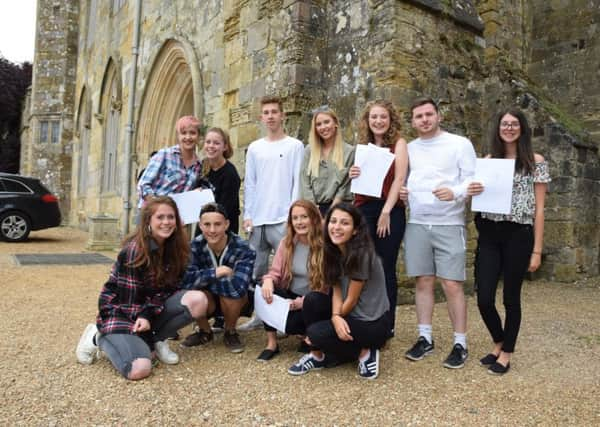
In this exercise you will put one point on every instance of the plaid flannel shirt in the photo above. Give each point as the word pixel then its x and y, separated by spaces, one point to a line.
pixel 129 293
pixel 166 174
pixel 201 272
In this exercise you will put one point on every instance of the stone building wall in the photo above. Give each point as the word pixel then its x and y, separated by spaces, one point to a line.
pixel 564 56
pixel 217 59
pixel 46 153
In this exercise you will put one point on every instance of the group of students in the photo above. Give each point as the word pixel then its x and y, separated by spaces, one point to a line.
pixel 335 253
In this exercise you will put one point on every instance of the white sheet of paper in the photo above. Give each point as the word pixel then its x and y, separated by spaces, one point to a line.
pixel 190 203
pixel 374 163
pixel 274 314
pixel 496 175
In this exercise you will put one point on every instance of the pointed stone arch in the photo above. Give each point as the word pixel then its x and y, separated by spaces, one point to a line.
pixel 173 90
pixel 109 114
pixel 83 123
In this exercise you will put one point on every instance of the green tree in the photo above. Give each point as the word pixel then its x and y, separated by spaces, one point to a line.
pixel 14 81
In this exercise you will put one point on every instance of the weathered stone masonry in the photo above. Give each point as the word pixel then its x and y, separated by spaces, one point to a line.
pixel 216 58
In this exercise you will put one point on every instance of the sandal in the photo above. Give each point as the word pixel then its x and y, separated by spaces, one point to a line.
pixel 200 337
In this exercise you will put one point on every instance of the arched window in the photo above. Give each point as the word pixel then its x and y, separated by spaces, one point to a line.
pixel 111 114
pixel 83 127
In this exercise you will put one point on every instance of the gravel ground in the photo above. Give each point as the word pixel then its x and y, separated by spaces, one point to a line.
pixel 554 378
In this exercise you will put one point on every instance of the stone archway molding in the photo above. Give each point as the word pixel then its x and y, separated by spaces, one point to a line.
pixel 173 78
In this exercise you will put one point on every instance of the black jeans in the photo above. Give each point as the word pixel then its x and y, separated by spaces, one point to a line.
pixel 316 307
pixel 365 334
pixel 387 247
pixel 503 251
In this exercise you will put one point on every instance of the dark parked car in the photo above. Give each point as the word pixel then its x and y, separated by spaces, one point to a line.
pixel 25 205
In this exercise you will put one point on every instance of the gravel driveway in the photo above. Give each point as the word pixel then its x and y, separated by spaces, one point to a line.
pixel 554 380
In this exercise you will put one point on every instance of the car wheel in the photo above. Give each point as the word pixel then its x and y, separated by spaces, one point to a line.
pixel 14 226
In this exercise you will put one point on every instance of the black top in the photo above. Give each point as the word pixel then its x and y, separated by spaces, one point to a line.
pixel 226 187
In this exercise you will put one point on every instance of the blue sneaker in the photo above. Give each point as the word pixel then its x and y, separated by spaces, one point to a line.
pixel 305 364
pixel 369 369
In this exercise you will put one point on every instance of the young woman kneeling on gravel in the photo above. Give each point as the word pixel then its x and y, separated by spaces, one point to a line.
pixel 141 304
pixel 360 320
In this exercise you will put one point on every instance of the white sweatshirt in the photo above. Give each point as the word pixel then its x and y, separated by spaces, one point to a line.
pixel 272 179
pixel 446 160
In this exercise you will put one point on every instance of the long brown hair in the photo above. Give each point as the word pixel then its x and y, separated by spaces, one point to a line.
pixel 169 262
pixel 524 163
pixel 315 245
pixel 393 133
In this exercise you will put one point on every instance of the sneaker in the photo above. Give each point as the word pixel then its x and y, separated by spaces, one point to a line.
pixel 369 369
pixel 218 325
pixel 457 357
pixel 253 323
pixel 87 351
pixel 200 337
pixel 421 349
pixel 305 364
pixel 232 341
pixel 164 353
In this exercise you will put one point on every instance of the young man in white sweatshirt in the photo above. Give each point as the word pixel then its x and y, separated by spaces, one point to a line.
pixel 441 167
pixel 271 184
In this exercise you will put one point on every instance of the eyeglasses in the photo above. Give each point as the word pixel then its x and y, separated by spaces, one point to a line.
pixel 510 125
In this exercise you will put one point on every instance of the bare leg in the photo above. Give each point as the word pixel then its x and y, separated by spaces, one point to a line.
pixel 424 299
pixel 457 305
pixel 271 340
pixel 202 321
pixel 231 311
pixel 140 369
pixel 196 302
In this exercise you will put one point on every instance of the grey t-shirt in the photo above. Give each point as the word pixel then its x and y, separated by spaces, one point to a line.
pixel 299 284
pixel 373 301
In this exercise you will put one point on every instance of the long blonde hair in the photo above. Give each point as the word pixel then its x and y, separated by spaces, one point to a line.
pixel 315 142
pixel 315 245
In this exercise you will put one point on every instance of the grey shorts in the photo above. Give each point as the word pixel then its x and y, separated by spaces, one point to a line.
pixel 435 250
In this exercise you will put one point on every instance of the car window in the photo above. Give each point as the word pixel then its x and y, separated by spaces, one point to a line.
pixel 11 186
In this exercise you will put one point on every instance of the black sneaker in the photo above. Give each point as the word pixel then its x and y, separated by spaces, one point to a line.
pixel 369 369
pixel 200 337
pixel 421 349
pixel 457 357
pixel 232 341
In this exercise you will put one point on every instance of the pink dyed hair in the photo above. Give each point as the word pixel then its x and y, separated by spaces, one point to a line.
pixel 187 121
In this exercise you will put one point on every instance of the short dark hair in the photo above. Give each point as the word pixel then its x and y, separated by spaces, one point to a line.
pixel 272 99
pixel 423 101
pixel 214 207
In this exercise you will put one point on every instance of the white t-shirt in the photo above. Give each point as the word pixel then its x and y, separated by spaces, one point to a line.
pixel 272 179
pixel 446 160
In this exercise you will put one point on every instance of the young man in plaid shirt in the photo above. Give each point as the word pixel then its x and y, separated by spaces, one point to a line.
pixel 221 266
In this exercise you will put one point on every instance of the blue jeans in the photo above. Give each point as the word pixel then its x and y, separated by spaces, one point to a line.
pixel 387 247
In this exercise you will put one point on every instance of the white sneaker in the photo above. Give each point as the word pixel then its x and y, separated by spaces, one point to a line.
pixel 164 353
pixel 253 323
pixel 87 351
